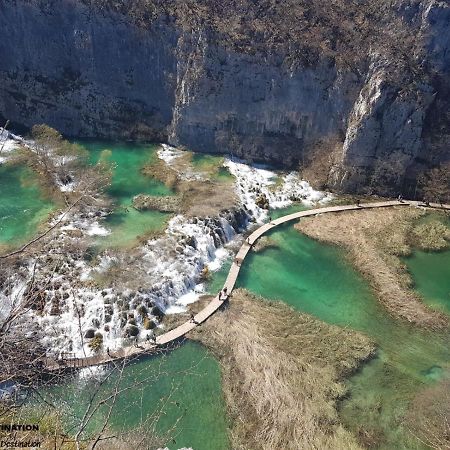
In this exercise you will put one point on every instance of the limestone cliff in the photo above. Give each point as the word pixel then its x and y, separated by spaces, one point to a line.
pixel 267 81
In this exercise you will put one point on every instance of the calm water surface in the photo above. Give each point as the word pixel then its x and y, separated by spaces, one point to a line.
pixel 23 205
pixel 316 279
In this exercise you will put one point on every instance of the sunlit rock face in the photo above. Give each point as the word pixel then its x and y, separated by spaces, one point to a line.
pixel 158 73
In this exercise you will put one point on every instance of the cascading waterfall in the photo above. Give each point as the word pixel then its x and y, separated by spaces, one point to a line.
pixel 8 143
pixel 171 267
pixel 197 243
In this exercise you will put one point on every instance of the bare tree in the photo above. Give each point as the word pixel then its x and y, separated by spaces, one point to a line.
pixel 435 184
pixel 15 332
pixel 26 370
pixel 26 276
pixel 388 173
pixel 319 161
pixel 57 161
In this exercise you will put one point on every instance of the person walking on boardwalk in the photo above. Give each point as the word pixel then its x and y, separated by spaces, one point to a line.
pixel 151 337
pixel 223 294
pixel 192 319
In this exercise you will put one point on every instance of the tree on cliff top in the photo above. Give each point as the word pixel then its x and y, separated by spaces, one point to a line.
pixel 293 31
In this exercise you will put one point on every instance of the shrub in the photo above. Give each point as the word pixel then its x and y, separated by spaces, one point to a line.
pixel 149 324
pixel 97 342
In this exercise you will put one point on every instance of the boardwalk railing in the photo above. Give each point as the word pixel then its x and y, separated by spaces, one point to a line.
pixel 216 303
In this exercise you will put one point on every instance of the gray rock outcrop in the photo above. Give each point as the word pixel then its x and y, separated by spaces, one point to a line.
pixel 147 70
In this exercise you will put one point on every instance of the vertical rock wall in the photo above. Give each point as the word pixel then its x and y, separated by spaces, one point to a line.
pixel 93 72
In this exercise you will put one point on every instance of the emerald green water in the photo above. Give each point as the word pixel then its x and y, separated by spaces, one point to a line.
pixel 311 276
pixel 212 165
pixel 314 278
pixel 126 223
pixel 23 207
pixel 431 274
pixel 184 385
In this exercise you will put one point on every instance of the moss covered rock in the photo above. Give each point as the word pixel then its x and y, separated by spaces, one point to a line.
pixel 132 330
pixel 149 324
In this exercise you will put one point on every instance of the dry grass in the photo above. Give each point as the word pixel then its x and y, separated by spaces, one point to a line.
pixel 159 170
pixel 207 198
pixel 169 203
pixel 428 415
pixel 281 374
pixel 375 240
pixel 199 197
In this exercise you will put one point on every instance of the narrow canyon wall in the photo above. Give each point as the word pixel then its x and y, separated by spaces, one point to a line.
pixel 85 74
pixel 94 72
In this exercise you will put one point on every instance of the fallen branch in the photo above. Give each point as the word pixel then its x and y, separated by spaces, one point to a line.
pixel 37 238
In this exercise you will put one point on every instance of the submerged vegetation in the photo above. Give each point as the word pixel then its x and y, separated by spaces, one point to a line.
pixel 24 206
pixel 316 279
pixel 282 373
pixel 264 243
pixel 376 239
pixel 433 235
pixel 428 415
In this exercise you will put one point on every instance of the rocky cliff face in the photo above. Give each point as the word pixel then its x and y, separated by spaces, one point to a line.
pixel 85 74
pixel 196 79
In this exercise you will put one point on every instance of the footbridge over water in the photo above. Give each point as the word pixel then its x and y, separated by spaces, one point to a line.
pixel 216 303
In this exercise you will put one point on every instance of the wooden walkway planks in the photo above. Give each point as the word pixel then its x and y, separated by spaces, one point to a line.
pixel 215 304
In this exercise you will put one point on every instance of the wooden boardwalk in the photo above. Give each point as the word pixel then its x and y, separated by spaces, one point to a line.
pixel 215 304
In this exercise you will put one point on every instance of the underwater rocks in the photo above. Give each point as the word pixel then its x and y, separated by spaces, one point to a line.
pixel 263 243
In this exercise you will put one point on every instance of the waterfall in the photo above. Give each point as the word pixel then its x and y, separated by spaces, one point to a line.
pixel 168 271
